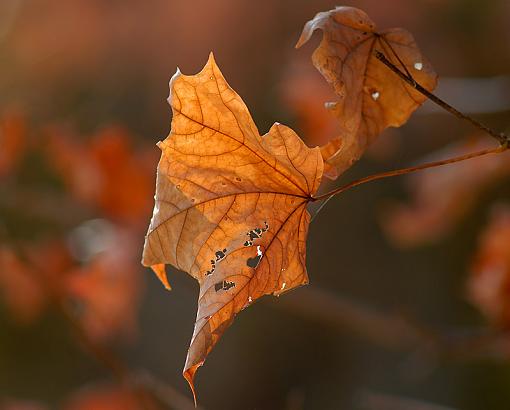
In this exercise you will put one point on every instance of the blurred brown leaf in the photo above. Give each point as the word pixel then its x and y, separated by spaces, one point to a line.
pixel 108 289
pixel 18 404
pixel 441 197
pixel 371 97
pixel 230 204
pixel 13 141
pixel 304 91
pixel 31 276
pixel 108 397
pixel 105 172
pixel 489 282
pixel 24 296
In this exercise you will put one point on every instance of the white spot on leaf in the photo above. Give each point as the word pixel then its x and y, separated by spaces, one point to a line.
pixel 375 95
pixel 418 66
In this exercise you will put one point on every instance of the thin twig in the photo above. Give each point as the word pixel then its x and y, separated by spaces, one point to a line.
pixel 395 331
pixel 165 393
pixel 377 401
pixel 392 332
pixel 103 356
pixel 118 370
pixel 409 170
pixel 386 42
pixel 502 138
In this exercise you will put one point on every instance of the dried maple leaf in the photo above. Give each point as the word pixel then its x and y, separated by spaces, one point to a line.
pixel 230 204
pixel 372 98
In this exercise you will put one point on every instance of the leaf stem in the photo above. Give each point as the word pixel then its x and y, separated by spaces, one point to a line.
pixel 502 138
pixel 409 170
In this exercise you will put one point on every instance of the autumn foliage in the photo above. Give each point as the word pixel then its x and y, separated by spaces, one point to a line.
pixel 370 99
pixel 232 206
pixel 85 268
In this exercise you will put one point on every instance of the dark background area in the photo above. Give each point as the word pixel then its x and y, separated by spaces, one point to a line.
pixel 86 64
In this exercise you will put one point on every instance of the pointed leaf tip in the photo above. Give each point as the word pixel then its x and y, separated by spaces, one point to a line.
pixel 176 75
pixel 189 375
pixel 160 272
pixel 210 64
pixel 305 35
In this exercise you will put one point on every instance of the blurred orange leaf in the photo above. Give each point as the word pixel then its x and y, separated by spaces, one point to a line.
pixel 28 282
pixel 108 288
pixel 230 204
pixel 441 197
pixel 371 97
pixel 489 282
pixel 304 91
pixel 21 292
pixel 13 141
pixel 105 172
pixel 106 397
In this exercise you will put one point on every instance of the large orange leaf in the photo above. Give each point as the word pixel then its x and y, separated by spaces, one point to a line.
pixel 230 204
pixel 372 98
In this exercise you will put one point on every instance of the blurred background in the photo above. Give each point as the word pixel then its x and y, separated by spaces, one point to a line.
pixel 409 301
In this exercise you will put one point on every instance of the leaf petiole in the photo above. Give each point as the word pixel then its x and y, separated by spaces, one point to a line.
pixel 409 170
pixel 502 138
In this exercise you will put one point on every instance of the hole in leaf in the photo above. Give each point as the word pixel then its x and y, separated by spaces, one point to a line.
pixel 220 254
pixel 256 233
pixel 223 285
pixel 254 262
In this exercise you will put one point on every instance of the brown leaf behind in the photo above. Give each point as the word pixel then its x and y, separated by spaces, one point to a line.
pixel 372 98
pixel 442 197
pixel 13 141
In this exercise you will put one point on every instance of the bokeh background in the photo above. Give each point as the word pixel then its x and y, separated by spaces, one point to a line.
pixel 407 305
